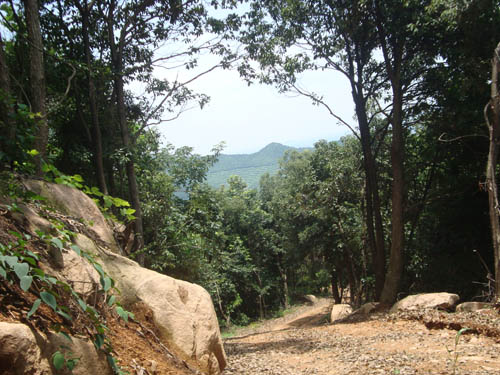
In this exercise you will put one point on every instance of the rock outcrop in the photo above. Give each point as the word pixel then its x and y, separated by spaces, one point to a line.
pixel 340 312
pixel 443 301
pixel 183 312
pixel 23 351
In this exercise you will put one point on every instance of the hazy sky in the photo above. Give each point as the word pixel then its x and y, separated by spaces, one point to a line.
pixel 247 118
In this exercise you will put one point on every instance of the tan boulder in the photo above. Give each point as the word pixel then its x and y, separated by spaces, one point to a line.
pixel 90 360
pixel 183 312
pixel 19 351
pixel 444 301
pixel 340 312
pixel 74 203
pixel 473 306
pixel 25 352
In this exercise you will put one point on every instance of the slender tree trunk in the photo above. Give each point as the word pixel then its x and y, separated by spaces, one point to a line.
pixel 284 280
pixel 395 268
pixel 373 210
pixel 37 81
pixel 130 169
pixel 96 129
pixel 335 287
pixel 491 183
pixel 7 126
pixel 117 66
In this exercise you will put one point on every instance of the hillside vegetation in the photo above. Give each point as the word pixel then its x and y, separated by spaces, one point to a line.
pixel 250 167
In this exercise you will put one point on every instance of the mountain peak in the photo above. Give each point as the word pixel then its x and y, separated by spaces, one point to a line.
pixel 248 166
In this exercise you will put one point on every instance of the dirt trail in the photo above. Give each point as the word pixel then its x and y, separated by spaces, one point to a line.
pixel 305 343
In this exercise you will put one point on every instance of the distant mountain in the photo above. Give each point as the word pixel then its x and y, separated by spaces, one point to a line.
pixel 250 167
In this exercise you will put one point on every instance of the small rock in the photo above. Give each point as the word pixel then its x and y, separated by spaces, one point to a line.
pixel 340 312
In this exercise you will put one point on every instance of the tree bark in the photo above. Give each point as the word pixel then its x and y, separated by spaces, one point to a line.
pixel 335 288
pixel 373 211
pixel 393 52
pixel 7 126
pixel 37 81
pixel 284 280
pixel 395 267
pixel 96 129
pixel 491 183
pixel 117 66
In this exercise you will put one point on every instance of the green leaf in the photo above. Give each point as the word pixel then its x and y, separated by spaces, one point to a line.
pixel 57 243
pixel 64 315
pixel 108 202
pixel 26 282
pixel 118 202
pixel 33 255
pixel 35 306
pixel 76 249
pixel 99 341
pixel 112 363
pixel 21 269
pixel 3 273
pixel 82 304
pixel 38 272
pixel 30 260
pixel 49 299
pixel 58 360
pixel 11 260
pixel 122 313
pixel 71 363
pixel 106 283
pixel 111 300
pixel 99 269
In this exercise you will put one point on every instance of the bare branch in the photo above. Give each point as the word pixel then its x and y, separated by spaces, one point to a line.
pixel 441 139
pixel 317 100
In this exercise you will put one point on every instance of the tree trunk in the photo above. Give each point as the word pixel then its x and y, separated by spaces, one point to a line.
pixel 284 280
pixel 7 126
pixel 491 183
pixel 395 268
pixel 96 129
pixel 335 288
pixel 373 211
pixel 130 169
pixel 37 81
pixel 117 67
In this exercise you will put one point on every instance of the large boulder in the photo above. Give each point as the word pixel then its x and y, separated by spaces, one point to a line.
pixel 340 311
pixel 25 352
pixel 442 301
pixel 19 351
pixel 75 204
pixel 183 312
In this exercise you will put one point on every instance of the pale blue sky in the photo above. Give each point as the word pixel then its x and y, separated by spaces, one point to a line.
pixel 247 118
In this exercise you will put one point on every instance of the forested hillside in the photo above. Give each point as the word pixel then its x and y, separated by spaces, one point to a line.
pixel 250 167
pixel 407 203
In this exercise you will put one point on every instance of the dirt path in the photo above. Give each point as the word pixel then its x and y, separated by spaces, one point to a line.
pixel 305 343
